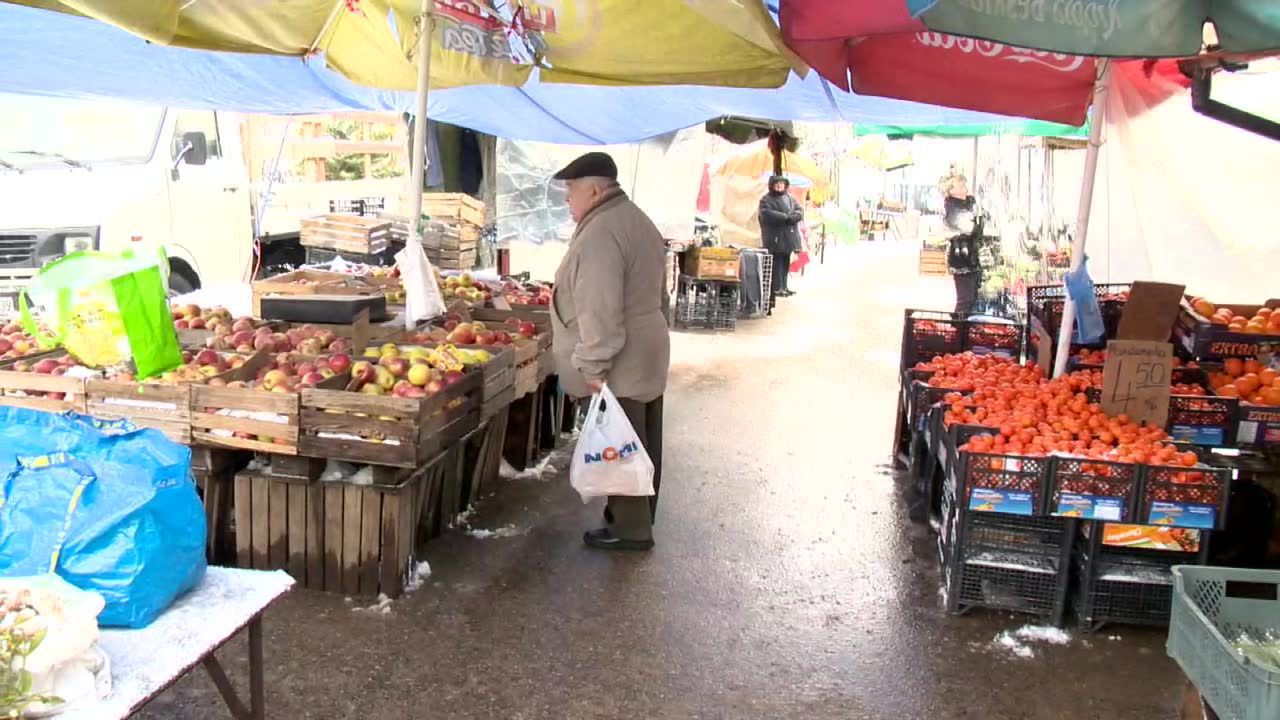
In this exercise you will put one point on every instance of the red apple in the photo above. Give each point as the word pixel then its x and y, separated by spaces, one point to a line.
pixel 45 366
pixel 207 357
pixel 340 363
pixel 196 323
pixel 312 379
pixel 340 345
pixel 263 342
pixel 307 367
pixel 453 377
pixel 273 379
pixel 486 337
pixel 243 324
pixel 397 366
pixel 434 387
pixel 182 323
pixel 528 329
pixel 501 337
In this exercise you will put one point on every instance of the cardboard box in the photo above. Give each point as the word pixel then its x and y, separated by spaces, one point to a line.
pixel 712 263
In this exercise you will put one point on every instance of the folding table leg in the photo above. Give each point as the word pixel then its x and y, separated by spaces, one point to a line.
pixel 257 694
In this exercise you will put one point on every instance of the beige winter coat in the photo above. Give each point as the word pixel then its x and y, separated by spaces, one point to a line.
pixel 610 304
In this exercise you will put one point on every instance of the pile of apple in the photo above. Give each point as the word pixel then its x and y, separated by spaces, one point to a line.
pixel 530 293
pixel 290 372
pixel 406 372
pixel 196 367
pixel 459 332
pixel 194 317
pixel 242 336
pixel 465 287
pixel 16 343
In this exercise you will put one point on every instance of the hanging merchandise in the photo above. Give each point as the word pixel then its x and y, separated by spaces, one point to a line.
pixel 105 308
pixel 1089 325
pixel 422 291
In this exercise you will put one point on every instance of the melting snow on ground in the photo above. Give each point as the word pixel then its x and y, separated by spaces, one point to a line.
pixel 502 532
pixel 1018 642
pixel 418 577
pixel 540 471
pixel 382 606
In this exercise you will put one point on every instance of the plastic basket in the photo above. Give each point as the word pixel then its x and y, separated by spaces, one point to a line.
pixel 706 304
pixel 1130 586
pixel 1185 497
pixel 1007 484
pixel 1212 606
pixel 1093 489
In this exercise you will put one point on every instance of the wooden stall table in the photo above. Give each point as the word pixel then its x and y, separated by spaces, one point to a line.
pixel 146 662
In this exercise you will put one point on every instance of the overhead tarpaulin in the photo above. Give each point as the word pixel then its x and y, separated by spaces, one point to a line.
pixel 1184 198
pixel 112 64
pixel 371 42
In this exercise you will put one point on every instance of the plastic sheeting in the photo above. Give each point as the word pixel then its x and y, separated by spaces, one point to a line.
pixel 1184 198
pixel 661 175
pixel 53 54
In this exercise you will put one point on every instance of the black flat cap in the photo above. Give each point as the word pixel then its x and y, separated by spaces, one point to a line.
pixel 593 164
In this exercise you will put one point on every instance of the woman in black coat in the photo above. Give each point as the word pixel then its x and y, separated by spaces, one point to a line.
pixel 960 210
pixel 780 217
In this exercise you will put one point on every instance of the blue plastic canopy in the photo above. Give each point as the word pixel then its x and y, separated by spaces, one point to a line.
pixel 59 55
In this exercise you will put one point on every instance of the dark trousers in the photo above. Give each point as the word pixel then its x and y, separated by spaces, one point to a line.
pixel 966 291
pixel 631 518
pixel 781 267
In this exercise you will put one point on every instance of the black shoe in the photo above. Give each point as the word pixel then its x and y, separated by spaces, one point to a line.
pixel 603 539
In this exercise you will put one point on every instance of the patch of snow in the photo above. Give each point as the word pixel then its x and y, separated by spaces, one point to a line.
pixel 1008 642
pixel 418 577
pixel 1113 637
pixel 464 517
pixel 537 472
pixel 1014 561
pixel 381 606
pixel 1137 574
pixel 336 471
pixel 502 532
pixel 363 476
pixel 1043 633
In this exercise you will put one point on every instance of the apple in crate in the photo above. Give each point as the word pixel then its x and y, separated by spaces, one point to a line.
pixel 340 363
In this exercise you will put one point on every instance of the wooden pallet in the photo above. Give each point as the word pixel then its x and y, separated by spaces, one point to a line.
pixel 385 430
pixel 453 206
pixel 346 233
pixel 335 536
pixel 166 408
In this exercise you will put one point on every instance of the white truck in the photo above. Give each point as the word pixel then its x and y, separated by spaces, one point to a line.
pixel 81 174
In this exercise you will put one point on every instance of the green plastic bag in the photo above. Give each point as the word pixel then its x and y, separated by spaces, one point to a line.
pixel 105 309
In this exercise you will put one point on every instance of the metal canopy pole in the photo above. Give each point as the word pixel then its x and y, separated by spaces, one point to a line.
pixel 1098 119
pixel 418 170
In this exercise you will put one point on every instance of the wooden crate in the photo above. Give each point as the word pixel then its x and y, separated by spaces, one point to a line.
pixel 166 408
pixel 447 236
pixel 253 411
pixel 712 263
pixel 933 262
pixel 527 377
pixel 334 536
pixel 453 206
pixel 482 457
pixel 452 259
pixel 16 388
pixel 319 283
pixel 216 490
pixel 346 233
pixel 386 430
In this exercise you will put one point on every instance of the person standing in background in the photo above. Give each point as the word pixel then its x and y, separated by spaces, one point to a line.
pixel 609 324
pixel 960 216
pixel 780 218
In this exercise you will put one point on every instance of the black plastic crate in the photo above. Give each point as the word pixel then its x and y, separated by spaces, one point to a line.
pixel 1005 484
pixel 1129 586
pixel 1093 489
pixel 319 256
pixel 369 206
pixel 1045 305
pixel 1207 420
pixel 706 304
pixel 926 334
pixel 1006 563
pixel 921 397
pixel 1184 497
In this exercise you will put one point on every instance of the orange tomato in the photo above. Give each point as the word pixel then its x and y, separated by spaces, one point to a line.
pixel 1268 377
pixel 1230 391
pixel 1248 384
pixel 1233 367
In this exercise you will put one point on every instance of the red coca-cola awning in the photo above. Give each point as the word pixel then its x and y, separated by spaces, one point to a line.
pixel 874 47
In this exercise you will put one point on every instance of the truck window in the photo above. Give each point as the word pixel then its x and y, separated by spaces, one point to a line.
pixel 38 132
pixel 201 121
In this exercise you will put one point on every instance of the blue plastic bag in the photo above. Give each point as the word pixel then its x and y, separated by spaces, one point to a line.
pixel 1089 326
pixel 117 515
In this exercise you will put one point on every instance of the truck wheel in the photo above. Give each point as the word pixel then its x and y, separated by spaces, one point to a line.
pixel 182 279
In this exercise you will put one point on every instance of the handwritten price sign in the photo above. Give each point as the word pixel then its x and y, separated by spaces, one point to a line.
pixel 1135 380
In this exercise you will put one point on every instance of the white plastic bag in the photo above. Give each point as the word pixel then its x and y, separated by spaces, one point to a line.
pixel 609 458
pixel 422 298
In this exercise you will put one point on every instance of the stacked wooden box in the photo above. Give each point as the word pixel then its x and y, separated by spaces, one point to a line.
pixel 453 230
pixel 346 233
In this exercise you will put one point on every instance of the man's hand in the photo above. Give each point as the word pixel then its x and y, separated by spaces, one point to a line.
pixel 595 385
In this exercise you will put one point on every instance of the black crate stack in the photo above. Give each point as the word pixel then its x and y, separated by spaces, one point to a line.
pixel 1128 585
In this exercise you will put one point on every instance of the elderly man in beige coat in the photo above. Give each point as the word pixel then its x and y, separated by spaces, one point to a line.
pixel 609 317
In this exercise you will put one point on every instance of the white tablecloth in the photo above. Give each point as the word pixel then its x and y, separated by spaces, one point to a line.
pixel 144 662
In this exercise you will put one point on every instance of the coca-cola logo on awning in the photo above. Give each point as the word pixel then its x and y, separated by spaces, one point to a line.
pixel 985 48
